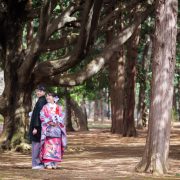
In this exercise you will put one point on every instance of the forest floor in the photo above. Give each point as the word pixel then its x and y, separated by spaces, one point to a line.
pixel 96 154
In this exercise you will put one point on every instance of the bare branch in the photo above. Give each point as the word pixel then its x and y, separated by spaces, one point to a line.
pixel 118 10
pixel 44 20
pixel 63 42
pixel 98 63
pixel 60 21
pixel 35 13
pixel 94 22
pixel 32 51
pixel 56 67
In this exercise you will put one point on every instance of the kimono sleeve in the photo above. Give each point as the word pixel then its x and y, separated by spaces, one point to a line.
pixel 44 116
pixel 35 115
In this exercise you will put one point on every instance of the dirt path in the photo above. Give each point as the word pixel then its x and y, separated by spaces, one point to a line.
pixel 93 155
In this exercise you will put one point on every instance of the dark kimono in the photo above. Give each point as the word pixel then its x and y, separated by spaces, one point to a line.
pixel 35 120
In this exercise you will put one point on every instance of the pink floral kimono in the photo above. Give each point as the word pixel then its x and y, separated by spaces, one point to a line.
pixel 53 134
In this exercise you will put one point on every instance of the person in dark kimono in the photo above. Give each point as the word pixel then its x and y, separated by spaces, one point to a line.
pixel 35 127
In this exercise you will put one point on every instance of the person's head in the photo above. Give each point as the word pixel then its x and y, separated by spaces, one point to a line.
pixel 40 91
pixel 50 97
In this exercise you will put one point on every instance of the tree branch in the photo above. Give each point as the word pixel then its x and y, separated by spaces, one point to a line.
pixel 35 13
pixel 32 51
pixel 30 31
pixel 44 20
pixel 98 63
pixel 94 22
pixel 60 21
pixel 49 68
pixel 118 10
pixel 63 42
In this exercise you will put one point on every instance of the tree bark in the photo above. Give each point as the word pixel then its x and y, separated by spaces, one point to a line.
pixel 176 96
pixel 129 93
pixel 101 104
pixel 68 111
pixel 96 110
pixel 17 95
pixel 141 108
pixel 116 79
pixel 80 114
pixel 116 69
pixel 155 157
pixel 16 120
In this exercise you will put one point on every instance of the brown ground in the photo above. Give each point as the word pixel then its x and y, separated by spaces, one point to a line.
pixel 96 154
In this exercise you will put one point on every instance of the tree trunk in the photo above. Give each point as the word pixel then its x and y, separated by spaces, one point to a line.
pixel 80 114
pixel 16 120
pixel 68 113
pixel 96 110
pixel 108 104
pixel 18 95
pixel 116 80
pixel 129 101
pixel 84 110
pixel 164 49
pixel 178 98
pixel 101 104
pixel 141 108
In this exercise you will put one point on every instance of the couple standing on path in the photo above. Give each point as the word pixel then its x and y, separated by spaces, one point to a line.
pixel 47 131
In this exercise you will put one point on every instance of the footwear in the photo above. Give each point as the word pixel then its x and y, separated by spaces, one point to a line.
pixel 54 167
pixel 38 167
pixel 49 167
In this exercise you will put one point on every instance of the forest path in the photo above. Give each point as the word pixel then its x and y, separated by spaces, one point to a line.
pixel 96 154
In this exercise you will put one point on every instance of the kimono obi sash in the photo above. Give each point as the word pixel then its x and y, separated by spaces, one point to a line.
pixel 54 126
pixel 53 131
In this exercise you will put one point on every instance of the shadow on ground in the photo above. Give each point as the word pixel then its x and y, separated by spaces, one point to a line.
pixel 96 154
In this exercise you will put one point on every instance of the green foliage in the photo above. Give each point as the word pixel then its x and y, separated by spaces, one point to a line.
pixel 91 88
pixel 174 115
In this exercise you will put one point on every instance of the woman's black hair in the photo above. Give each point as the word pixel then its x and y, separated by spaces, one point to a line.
pixel 51 94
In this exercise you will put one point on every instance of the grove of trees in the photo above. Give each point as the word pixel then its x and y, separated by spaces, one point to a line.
pixel 123 52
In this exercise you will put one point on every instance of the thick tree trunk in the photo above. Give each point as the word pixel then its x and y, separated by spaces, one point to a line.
pixel 116 80
pixel 68 112
pixel 16 121
pixel 141 108
pixel 18 95
pixel 129 100
pixel 164 49
pixel 80 114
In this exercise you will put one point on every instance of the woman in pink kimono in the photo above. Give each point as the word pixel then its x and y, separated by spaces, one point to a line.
pixel 53 134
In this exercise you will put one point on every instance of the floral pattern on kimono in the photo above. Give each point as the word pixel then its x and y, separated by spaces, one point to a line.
pixel 52 148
